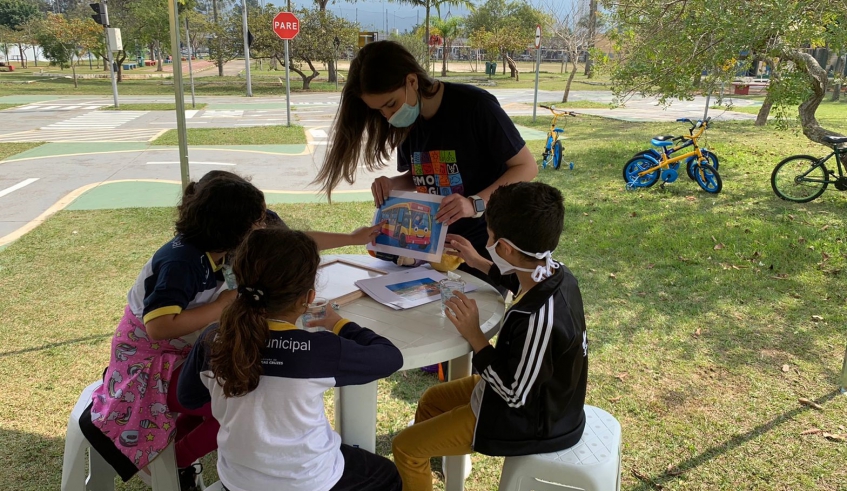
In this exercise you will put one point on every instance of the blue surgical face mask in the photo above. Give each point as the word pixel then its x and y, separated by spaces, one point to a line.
pixel 406 115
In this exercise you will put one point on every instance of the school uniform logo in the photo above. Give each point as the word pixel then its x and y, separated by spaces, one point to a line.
pixel 437 172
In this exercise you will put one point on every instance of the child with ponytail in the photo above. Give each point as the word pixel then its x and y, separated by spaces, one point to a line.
pixel 265 379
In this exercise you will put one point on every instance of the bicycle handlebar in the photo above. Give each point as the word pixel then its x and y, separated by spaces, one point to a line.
pixel 560 112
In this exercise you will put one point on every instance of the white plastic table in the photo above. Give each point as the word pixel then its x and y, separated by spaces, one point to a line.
pixel 425 337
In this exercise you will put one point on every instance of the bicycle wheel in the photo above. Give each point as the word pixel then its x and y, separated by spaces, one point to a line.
pixel 545 157
pixel 557 154
pixel 691 162
pixel 800 178
pixel 708 178
pixel 636 165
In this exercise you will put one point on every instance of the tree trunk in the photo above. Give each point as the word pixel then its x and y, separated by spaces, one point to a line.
pixel 562 68
pixel 73 69
pixel 426 36
pixel 119 62
pixel 513 68
pixel 697 78
pixel 838 73
pixel 307 80
pixel 333 71
pixel 220 57
pixel 592 34
pixel 504 55
pixel 160 57
pixel 764 111
pixel 816 76
pixel 23 55
pixel 444 53
pixel 568 86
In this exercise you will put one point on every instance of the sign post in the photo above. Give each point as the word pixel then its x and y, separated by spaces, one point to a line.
pixel 246 47
pixel 537 67
pixel 182 134
pixel 286 26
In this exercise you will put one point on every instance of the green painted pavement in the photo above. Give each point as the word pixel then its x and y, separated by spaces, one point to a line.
pixel 529 134
pixel 53 149
pixel 144 194
pixel 56 149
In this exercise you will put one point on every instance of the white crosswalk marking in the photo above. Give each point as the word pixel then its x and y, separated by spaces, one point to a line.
pixel 212 113
pixel 99 119
pixel 54 106
pixel 78 135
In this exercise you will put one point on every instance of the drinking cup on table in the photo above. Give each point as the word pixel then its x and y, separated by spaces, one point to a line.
pixel 315 310
pixel 448 287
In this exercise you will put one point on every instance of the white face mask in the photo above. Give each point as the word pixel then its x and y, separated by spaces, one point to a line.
pixel 539 274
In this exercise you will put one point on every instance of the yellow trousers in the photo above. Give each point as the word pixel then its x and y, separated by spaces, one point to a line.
pixel 444 425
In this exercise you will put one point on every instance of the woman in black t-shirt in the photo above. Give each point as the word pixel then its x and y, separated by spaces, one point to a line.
pixel 451 139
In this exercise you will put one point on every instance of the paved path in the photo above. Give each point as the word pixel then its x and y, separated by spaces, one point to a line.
pixel 92 147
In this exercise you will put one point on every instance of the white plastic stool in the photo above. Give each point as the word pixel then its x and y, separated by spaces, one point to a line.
pixel 593 464
pixel 101 476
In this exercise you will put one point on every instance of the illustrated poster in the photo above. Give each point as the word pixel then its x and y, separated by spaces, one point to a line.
pixel 409 228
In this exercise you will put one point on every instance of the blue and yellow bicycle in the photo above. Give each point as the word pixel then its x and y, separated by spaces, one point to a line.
pixel 553 148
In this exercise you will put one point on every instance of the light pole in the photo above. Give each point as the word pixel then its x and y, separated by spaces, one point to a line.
pixel 246 46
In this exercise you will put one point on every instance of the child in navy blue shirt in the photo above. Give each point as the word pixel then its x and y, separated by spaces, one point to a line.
pixel 265 378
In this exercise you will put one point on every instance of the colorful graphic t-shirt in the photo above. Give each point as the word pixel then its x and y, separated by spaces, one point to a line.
pixel 462 149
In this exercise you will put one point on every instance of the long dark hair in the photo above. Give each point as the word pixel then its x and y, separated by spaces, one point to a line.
pixel 274 268
pixel 217 212
pixel 359 132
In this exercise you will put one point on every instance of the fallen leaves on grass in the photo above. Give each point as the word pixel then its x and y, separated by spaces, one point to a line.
pixel 673 470
pixel 614 399
pixel 780 276
pixel 697 333
pixel 817 318
pixel 719 246
pixel 808 402
pixel 811 431
pixel 786 368
pixel 691 198
pixel 612 276
pixel 621 376
pixel 834 437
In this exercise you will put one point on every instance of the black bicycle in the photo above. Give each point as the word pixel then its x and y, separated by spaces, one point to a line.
pixel 802 178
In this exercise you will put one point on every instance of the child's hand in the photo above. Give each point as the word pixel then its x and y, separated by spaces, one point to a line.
pixel 328 322
pixel 365 235
pixel 462 248
pixel 464 314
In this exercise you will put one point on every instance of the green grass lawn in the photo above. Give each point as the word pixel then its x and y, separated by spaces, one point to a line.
pixel 827 113
pixel 259 135
pixel 709 316
pixel 9 149
pixel 152 106
pixel 8 106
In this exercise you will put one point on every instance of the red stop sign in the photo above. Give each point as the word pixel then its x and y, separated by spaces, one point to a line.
pixel 286 25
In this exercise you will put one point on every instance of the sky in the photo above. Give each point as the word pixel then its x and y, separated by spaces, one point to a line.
pixel 377 15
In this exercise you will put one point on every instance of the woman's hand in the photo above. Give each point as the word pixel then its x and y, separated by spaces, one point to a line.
pixel 462 247
pixel 365 235
pixel 453 208
pixel 380 189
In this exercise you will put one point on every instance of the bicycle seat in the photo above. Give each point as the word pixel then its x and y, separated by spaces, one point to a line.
pixel 835 140
pixel 662 141
pixel 559 130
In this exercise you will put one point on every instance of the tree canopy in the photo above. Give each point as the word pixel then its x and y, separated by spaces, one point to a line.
pixel 663 46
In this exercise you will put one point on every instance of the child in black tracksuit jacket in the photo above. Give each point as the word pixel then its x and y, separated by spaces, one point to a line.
pixel 528 397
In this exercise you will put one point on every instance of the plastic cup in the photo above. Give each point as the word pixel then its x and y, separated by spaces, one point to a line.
pixel 447 287
pixel 315 310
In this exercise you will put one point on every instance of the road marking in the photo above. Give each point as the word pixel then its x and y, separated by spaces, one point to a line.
pixel 216 113
pixel 318 133
pixel 99 119
pixel 53 106
pixel 190 163
pixel 12 189
pixel 191 113
pixel 77 135
pixel 256 124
